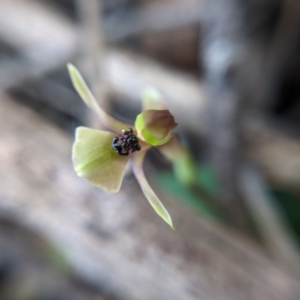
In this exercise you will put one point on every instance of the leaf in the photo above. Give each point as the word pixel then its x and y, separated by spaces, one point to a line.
pixel 87 96
pixel 96 161
pixel 138 159
pixel 205 179
pixel 289 205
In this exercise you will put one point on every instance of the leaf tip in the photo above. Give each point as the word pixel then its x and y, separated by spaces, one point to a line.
pixel 71 68
pixel 168 220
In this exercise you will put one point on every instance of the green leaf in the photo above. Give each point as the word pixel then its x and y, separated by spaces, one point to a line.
pixel 159 208
pixel 205 179
pixel 87 96
pixel 96 161
pixel 289 205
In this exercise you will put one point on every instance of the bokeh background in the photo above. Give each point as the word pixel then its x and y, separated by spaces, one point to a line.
pixel 230 73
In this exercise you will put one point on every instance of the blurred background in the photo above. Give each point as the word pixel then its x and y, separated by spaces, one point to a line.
pixel 229 71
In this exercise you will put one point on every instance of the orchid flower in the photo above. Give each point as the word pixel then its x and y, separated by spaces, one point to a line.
pixel 101 156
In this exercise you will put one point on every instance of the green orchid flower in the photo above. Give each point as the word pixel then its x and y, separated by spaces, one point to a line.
pixel 101 156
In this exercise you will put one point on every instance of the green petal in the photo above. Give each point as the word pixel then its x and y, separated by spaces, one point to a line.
pixel 155 126
pixel 87 96
pixel 138 159
pixel 184 166
pixel 96 161
pixel 152 99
